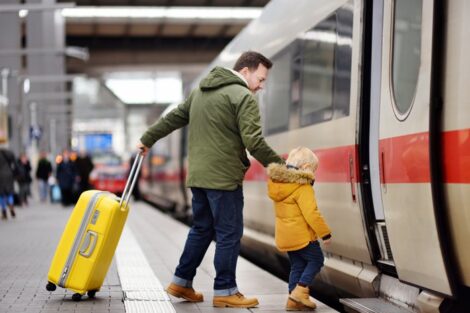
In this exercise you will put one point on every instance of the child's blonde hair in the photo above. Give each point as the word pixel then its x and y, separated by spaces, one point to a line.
pixel 302 158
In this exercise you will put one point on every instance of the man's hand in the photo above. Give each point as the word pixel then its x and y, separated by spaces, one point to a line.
pixel 327 242
pixel 143 150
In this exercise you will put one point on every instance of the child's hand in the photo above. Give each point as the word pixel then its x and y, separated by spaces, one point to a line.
pixel 327 242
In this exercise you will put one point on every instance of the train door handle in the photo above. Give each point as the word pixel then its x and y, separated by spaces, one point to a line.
pixel 382 171
pixel 351 178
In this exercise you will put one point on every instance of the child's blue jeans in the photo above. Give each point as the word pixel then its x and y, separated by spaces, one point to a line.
pixel 305 264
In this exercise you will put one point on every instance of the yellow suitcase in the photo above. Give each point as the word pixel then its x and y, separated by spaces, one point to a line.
pixel 87 245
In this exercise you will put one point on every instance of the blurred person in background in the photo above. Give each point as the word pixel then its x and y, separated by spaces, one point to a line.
pixel 24 178
pixel 84 167
pixel 43 172
pixel 7 175
pixel 66 177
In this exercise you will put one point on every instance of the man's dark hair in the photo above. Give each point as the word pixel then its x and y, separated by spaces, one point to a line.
pixel 251 60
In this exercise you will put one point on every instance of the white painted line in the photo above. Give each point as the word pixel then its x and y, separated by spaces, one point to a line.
pixel 142 290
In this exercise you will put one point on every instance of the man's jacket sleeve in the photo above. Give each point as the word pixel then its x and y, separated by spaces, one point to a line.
pixel 175 119
pixel 249 124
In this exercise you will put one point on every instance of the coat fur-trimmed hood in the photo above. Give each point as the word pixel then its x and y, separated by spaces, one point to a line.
pixel 281 174
pixel 284 181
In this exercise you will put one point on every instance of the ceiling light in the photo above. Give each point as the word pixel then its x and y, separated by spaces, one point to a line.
pixel 22 13
pixel 163 12
pixel 146 88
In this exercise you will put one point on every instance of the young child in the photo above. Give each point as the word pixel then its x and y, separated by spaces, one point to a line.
pixel 299 223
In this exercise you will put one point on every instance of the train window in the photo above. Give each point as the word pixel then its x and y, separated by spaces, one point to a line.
pixel 406 54
pixel 277 97
pixel 310 81
pixel 326 69
pixel 317 72
pixel 343 56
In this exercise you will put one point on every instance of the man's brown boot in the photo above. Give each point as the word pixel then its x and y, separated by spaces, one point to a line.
pixel 187 293
pixel 301 294
pixel 4 215
pixel 292 305
pixel 234 301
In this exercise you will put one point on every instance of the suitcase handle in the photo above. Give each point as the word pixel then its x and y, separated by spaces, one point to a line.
pixel 126 194
pixel 89 242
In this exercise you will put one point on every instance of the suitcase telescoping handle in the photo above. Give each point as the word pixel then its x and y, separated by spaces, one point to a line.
pixel 126 194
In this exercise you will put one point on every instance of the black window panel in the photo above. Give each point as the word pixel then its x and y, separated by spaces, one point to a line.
pixel 310 81
pixel 317 72
pixel 342 90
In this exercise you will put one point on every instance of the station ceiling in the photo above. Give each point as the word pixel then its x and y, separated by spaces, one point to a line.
pixel 114 43
pixel 188 3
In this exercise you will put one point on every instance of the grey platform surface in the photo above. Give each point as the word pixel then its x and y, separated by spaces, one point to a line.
pixel 162 240
pixel 27 244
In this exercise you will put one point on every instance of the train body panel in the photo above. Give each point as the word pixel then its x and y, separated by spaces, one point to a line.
pixel 412 231
pixel 404 113
pixel 456 127
pixel 352 81
pixel 459 211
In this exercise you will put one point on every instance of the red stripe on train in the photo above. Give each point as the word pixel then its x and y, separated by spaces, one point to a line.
pixel 456 154
pixel 405 159
pixel 334 166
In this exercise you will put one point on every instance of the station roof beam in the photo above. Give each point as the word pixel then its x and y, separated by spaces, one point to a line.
pixel 154 32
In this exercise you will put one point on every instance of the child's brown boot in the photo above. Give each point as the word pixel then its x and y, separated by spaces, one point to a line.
pixel 292 305
pixel 301 294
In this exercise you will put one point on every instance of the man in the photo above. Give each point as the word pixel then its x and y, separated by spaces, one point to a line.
pixel 43 172
pixel 224 121
pixel 84 166
pixel 66 177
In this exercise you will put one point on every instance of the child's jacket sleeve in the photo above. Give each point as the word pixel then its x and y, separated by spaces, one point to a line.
pixel 308 206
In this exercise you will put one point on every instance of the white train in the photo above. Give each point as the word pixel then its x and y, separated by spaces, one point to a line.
pixel 380 90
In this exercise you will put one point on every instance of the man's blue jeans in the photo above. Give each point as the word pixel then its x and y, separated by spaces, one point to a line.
pixel 216 214
pixel 305 264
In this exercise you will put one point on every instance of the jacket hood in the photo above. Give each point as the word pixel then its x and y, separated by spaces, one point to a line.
pixel 284 181
pixel 220 77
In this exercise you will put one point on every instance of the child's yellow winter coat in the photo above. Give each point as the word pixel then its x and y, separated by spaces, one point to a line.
pixel 298 220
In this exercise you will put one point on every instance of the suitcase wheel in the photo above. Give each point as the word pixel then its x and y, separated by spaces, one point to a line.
pixel 91 293
pixel 50 286
pixel 76 297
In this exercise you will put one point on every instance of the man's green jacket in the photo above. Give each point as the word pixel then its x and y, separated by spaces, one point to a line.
pixel 224 120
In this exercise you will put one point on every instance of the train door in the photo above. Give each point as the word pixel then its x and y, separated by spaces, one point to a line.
pixel 401 182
